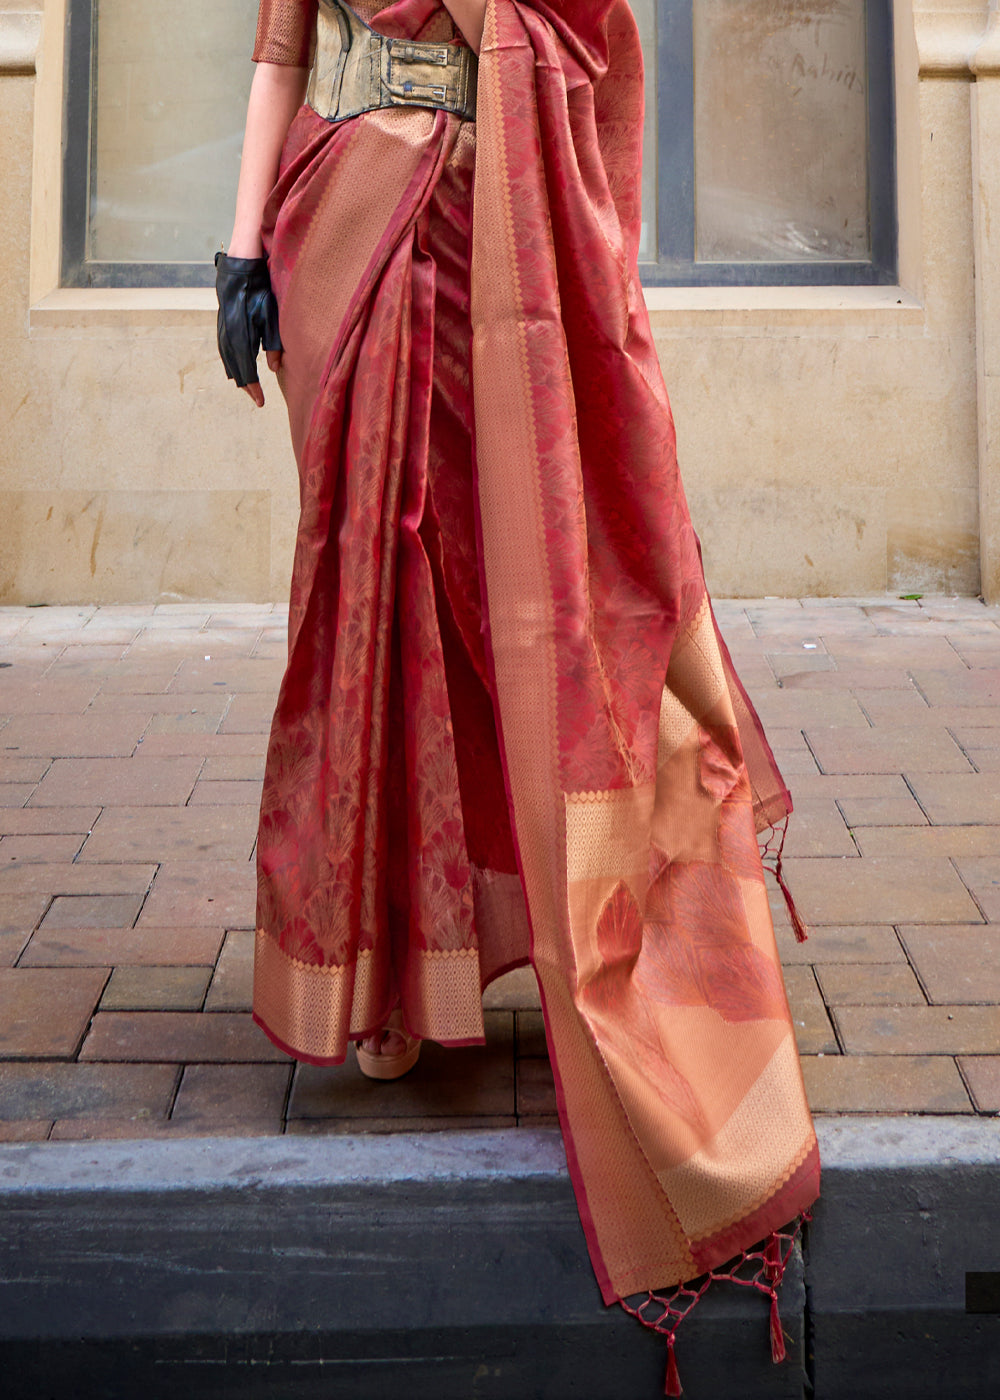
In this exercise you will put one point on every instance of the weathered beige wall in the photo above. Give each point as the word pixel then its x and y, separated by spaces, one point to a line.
pixel 832 440
pixel 129 468
pixel 828 437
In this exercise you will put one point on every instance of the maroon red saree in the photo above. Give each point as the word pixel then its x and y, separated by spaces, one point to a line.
pixel 509 729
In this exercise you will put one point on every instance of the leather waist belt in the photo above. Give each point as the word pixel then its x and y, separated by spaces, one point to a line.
pixel 356 69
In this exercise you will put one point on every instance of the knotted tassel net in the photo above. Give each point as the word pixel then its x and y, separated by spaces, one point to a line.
pixel 762 1268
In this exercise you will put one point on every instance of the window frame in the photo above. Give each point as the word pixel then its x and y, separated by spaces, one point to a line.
pixel 79 134
pixel 676 265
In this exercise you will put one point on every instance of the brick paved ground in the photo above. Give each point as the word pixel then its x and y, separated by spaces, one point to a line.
pixel 131 752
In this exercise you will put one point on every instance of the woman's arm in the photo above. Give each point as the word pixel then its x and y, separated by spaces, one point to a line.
pixel 469 15
pixel 276 94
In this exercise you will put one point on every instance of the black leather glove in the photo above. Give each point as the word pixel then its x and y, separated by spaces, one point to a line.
pixel 248 315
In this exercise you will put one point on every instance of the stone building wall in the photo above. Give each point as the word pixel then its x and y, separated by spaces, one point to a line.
pixel 832 440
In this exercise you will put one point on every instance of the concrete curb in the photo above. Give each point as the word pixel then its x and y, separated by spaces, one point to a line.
pixel 909 1207
pixel 453 1264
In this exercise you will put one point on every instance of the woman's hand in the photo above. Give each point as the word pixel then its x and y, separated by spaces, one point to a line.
pixel 255 391
pixel 248 318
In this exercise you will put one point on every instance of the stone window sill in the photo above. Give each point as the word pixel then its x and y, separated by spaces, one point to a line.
pixel 671 307
pixel 86 310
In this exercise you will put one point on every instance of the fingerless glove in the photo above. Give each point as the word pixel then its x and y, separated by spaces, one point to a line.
pixel 248 315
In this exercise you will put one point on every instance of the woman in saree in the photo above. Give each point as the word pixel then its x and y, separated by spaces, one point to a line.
pixel 509 731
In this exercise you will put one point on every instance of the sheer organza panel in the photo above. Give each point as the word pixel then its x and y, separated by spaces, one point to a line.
pixel 781 138
pixel 169 102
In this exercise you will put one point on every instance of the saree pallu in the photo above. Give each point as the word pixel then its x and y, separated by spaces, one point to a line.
pixel 509 729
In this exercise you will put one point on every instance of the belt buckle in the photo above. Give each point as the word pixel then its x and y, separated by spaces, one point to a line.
pixel 436 94
pixel 406 80
pixel 410 52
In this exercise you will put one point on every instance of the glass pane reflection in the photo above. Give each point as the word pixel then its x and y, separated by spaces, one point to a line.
pixel 780 130
pixel 171 85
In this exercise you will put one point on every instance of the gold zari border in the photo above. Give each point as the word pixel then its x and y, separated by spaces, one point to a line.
pixel 313 1010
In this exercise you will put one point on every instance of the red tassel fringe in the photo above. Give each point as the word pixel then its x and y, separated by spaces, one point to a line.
pixel 672 1385
pixel 773 862
pixel 665 1314
pixel 777 1335
pixel 774 1265
pixel 774 1271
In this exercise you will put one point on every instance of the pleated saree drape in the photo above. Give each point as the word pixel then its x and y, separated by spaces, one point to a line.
pixel 509 729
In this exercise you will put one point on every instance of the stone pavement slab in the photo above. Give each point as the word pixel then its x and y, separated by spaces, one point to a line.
pixel 116 947
pixel 957 799
pixel 226 793
pixel 156 989
pixel 928 840
pixel 909 1030
pixel 182 1037
pixel 205 745
pixel 529 1029
pixel 65 879
pixel 536 1090
pixel 982 1074
pixel 814 1032
pixel 232 980
pixel 44 850
pixel 44 1012
pixel 171 833
pixel 851 750
pixel 981 875
pixel 47 821
pixel 76 911
pixel 866 984
pixel 113 782
pixel 882 889
pixel 212 1093
pixel 70 1090
pixel 209 891
pixel 25 1130
pixel 131 760
pixel 857 1083
pixel 91 735
pixel 14 794
pixel 854 946
pixel 956 965
pixel 22 770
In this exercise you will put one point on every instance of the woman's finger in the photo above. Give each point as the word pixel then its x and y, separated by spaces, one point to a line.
pixel 256 393
pixel 273 360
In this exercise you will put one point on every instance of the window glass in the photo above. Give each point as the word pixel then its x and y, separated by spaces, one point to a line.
pixel 171 85
pixel 780 130
pixel 767 140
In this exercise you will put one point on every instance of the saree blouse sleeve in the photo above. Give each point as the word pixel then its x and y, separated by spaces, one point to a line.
pixel 285 30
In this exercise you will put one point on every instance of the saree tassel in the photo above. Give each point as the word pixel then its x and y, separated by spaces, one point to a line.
pixel 672 1385
pixel 663 1313
pixel 774 1264
pixel 777 1335
pixel 801 933
pixel 663 1316
pixel 774 864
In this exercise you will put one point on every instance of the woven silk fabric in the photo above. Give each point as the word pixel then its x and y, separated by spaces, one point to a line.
pixel 509 728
